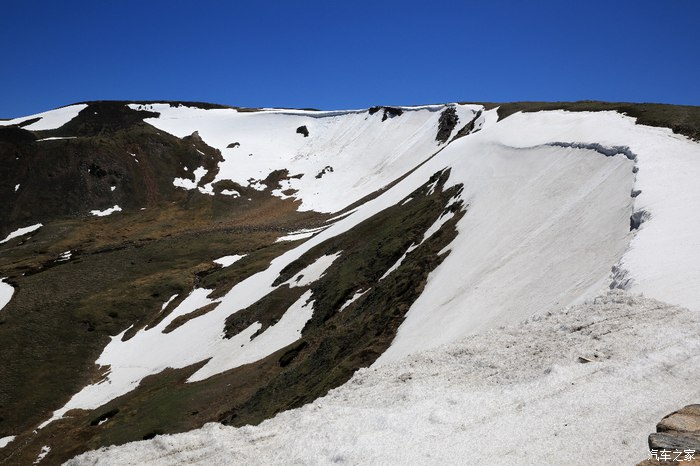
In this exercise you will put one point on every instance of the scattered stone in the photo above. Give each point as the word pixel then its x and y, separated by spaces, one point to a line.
pixel 677 432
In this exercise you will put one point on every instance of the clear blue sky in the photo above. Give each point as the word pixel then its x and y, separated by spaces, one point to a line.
pixel 350 54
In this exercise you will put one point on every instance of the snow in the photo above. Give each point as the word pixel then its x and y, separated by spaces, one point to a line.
pixel 104 213
pixel 513 395
pixel 354 298
pixel 170 300
pixel 228 260
pixel 44 451
pixel 186 183
pixel 64 256
pixel 313 272
pixel 562 223
pixel 49 120
pixel 543 226
pixel 349 141
pixel 56 138
pixel 300 234
pixel 16 187
pixel 21 232
pixel 6 440
pixel 6 292
pixel 283 333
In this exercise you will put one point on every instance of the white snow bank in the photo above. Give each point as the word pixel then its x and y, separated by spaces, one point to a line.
pixel 49 120
pixel 6 292
pixel 228 260
pixel 104 213
pixel 514 395
pixel 6 440
pixel 21 232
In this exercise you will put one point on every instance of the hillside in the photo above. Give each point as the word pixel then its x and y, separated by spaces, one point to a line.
pixel 166 265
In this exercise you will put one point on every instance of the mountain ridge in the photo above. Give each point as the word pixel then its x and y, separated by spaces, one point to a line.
pixel 372 235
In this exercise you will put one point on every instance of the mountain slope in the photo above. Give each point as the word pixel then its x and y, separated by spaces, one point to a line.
pixel 355 237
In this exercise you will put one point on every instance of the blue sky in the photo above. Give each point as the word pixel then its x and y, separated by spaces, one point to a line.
pixel 349 54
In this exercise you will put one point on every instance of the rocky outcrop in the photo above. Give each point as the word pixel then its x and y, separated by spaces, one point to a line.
pixel 677 439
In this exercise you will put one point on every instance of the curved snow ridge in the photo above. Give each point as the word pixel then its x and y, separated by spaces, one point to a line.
pixel 522 395
pixel 52 119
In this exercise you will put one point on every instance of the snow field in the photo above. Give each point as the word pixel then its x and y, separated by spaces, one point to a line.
pixel 543 227
pixel 511 395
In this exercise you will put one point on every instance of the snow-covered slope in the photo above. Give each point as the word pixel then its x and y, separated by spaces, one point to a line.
pixel 344 156
pixel 544 225
pixel 544 210
pixel 514 395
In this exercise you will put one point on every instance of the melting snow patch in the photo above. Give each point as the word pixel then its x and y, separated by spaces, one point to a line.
pixel 104 213
pixel 22 232
pixel 56 138
pixel 230 192
pixel 64 256
pixel 189 184
pixel 16 187
pixel 228 260
pixel 313 272
pixel 354 298
pixel 44 451
pixel 300 234
pixel 5 440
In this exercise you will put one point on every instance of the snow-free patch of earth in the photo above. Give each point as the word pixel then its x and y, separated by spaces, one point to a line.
pixel 513 395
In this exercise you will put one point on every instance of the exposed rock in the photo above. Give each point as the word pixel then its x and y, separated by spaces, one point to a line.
pixel 233 145
pixel 389 112
pixel 677 439
pixel 303 130
pixel 448 121
pixel 637 218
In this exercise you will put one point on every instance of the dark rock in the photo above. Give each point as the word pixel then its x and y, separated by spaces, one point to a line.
pixel 674 441
pixel 303 130
pixel 637 218
pixel 233 145
pixel 448 121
